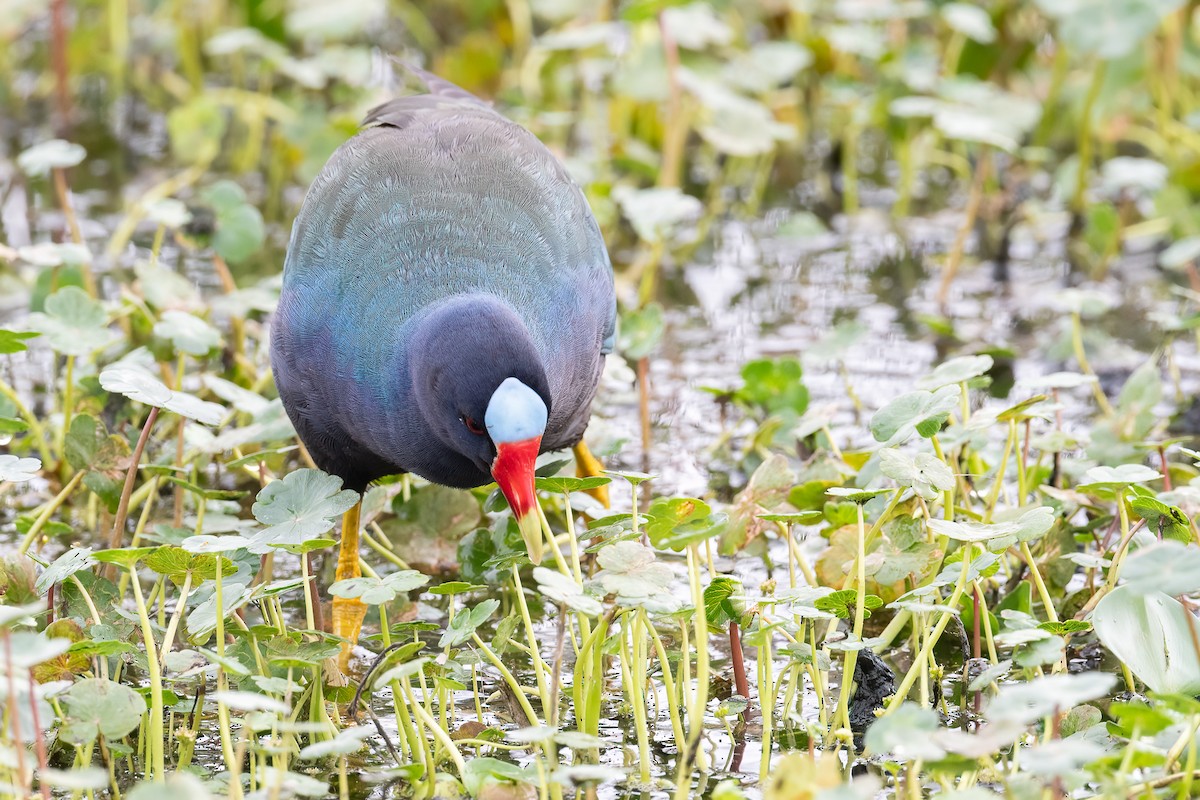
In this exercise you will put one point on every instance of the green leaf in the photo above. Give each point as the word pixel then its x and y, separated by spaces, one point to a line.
pixel 641 331
pixel 465 623
pixel 956 370
pixel 53 154
pixel 98 707
pixel 63 567
pixel 918 412
pixel 175 563
pixel 1168 521
pixel 195 129
pixel 302 506
pixel 14 341
pixel 142 387
pixel 73 323
pixel 123 556
pixel 773 385
pixel 291 651
pixel 843 604
pixel 719 607
pixel 927 475
pixel 678 522
pixel 1066 627
pixel 451 588
pixel 1150 633
pixel 563 484
pixel 240 229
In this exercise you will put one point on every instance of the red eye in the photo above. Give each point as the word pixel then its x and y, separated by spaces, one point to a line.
pixel 473 426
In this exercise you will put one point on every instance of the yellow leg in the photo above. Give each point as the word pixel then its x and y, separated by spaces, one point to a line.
pixel 348 613
pixel 587 466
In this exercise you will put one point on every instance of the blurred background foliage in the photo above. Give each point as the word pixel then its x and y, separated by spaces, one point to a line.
pixel 669 114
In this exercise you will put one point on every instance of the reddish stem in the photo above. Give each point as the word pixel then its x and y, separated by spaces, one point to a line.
pixel 114 541
pixel 740 685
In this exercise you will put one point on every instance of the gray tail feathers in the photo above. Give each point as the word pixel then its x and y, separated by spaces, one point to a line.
pixel 400 112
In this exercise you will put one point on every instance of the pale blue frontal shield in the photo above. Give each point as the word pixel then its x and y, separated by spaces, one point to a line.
pixel 515 413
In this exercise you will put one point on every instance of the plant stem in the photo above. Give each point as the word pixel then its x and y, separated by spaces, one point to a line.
pixel 154 735
pixel 48 511
pixel 36 431
pixel 114 541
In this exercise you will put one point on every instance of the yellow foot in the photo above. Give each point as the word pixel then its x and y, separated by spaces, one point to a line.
pixel 588 466
pixel 348 613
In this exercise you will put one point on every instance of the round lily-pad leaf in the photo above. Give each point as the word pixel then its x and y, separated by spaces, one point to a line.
pixel 142 387
pixel 302 506
pixel 98 707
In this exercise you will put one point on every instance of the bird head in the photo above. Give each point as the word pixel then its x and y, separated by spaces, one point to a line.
pixel 515 420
